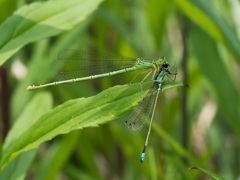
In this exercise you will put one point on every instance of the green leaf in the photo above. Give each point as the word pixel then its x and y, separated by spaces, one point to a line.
pixel 231 39
pixel 203 14
pixel 40 20
pixel 56 160
pixel 197 16
pixel 176 146
pixel 220 84
pixel 39 105
pixel 18 167
pixel 42 56
pixel 77 114
pixel 213 175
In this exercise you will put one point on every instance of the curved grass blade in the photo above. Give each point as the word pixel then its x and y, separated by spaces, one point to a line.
pixel 213 175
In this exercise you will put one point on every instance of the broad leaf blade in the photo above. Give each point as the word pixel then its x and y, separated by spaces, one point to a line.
pixel 77 114
pixel 39 105
pixel 40 20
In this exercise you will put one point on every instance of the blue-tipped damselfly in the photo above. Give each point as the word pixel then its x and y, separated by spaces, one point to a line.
pixel 73 63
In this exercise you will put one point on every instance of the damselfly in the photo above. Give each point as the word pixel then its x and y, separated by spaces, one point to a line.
pixel 143 110
pixel 73 63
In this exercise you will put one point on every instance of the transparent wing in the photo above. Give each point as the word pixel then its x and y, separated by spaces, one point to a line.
pixel 173 72
pixel 73 63
pixel 141 112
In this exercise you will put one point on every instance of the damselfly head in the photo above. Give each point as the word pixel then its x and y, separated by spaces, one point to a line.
pixel 161 59
pixel 161 62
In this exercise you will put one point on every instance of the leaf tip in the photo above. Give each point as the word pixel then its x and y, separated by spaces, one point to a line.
pixel 185 84
pixel 193 168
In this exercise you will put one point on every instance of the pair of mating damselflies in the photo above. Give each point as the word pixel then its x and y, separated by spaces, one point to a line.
pixel 73 63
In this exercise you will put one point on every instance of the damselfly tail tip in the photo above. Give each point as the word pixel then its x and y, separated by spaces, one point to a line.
pixel 142 157
pixel 143 154
pixel 185 84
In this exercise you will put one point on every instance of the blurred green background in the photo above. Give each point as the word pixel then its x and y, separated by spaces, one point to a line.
pixel 196 126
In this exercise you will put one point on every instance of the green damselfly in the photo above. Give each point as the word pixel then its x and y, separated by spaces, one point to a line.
pixel 148 104
pixel 72 63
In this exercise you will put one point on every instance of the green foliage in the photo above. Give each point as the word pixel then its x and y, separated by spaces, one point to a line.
pixel 74 114
pixel 41 103
pixel 51 135
pixel 40 20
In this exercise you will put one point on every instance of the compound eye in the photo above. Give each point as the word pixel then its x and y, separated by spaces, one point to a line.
pixel 165 65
